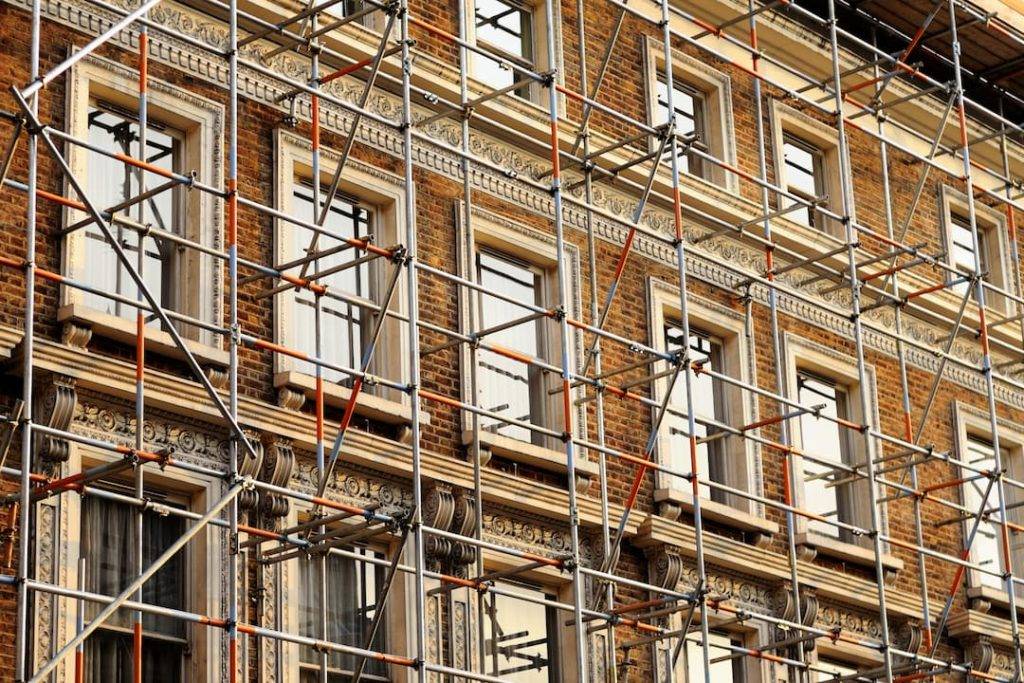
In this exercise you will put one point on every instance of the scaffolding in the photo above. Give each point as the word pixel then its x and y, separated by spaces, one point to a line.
pixel 868 265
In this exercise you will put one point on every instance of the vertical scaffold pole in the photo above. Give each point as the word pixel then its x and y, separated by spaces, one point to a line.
pixel 687 370
pixel 21 631
pixel 413 318
pixel 867 414
pixel 986 355
pixel 234 336
pixel 568 426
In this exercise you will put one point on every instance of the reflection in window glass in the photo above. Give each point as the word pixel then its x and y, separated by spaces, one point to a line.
pixel 352 589
pixel 827 440
pixel 108 546
pixel 722 671
pixel 504 27
pixel 341 323
pixel 110 182
pixel 509 387
pixel 804 176
pixel 707 404
pixel 690 118
pixel 521 642
pixel 986 550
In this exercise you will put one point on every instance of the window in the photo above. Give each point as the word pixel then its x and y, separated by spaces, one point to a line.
pixel 110 182
pixel 108 546
pixel 505 28
pixel 521 641
pixel 342 322
pixel 183 135
pixel 827 440
pixel 987 548
pixel 804 177
pixel 991 255
pixel 725 666
pixel 352 591
pixel 690 113
pixel 509 387
pixel 708 404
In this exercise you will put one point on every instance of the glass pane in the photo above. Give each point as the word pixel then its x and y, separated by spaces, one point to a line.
pixel 341 323
pixel 803 172
pixel 108 546
pixel 707 403
pixel 111 182
pixel 509 387
pixel 506 29
pixel 825 439
pixel 962 252
pixel 689 108
pixel 727 671
pixel 520 636
pixel 351 599
pixel 986 550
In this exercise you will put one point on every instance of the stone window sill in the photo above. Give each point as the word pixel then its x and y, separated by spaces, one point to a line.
pixel 123 330
pixel 532 455
pixel 984 597
pixel 369 405
pixel 720 513
pixel 847 552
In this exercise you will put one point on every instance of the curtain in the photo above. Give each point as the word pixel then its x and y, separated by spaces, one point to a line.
pixel 351 598
pixel 108 542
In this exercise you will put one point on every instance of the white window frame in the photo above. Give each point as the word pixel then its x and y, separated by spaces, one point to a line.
pixel 992 223
pixel 716 88
pixel 399 634
pixel 738 361
pixel 537 248
pixel 204 555
pixel 383 194
pixel 747 635
pixel 787 121
pixel 802 354
pixel 542 61
pixel 970 421
pixel 201 122
pixel 546 579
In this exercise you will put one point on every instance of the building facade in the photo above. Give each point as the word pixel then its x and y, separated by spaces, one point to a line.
pixel 501 340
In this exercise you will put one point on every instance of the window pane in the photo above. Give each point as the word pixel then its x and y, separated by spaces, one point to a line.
pixel 351 600
pixel 825 439
pixel 110 182
pixel 803 176
pixel 962 252
pixel 341 323
pixel 507 386
pixel 520 636
pixel 689 106
pixel 505 28
pixel 108 546
pixel 727 671
pixel 707 404
pixel 986 550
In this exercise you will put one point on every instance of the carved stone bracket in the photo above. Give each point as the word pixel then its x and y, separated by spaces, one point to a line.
pixel 784 607
pixel 665 567
pixel 276 468
pixel 455 511
pixel 76 334
pixel 979 652
pixel 54 407
pixel 249 466
pixel 907 637
pixel 290 398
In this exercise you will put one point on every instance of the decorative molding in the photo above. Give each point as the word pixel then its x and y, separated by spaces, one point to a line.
pixel 278 463
pixel 54 407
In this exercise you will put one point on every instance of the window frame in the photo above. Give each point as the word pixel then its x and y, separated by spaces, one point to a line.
pixel 785 121
pixel 716 89
pixel 541 60
pixel 398 634
pixel 738 361
pixel 493 231
pixel 204 656
pixel 968 422
pixel 991 224
pixel 201 123
pixel 752 670
pixel 382 192
pixel 809 356
pixel 817 173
